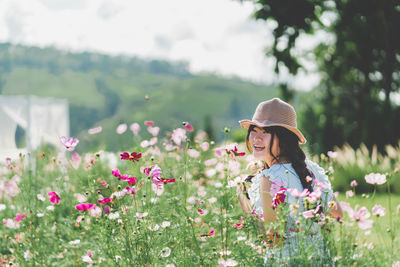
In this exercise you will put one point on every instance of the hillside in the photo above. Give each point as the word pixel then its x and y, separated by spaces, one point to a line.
pixel 105 90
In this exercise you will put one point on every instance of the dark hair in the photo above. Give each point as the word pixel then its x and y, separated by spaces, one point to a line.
pixel 289 149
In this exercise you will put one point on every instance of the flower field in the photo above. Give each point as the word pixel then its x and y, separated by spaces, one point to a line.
pixel 170 201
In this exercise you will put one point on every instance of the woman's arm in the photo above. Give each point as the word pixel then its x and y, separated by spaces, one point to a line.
pixel 336 209
pixel 266 199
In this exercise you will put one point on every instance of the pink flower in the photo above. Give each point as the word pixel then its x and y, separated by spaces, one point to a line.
pixel 311 213
pixel 104 183
pixel 349 194
pixel 121 128
pixel 204 146
pixel 149 123
pixel 360 216
pixel 153 130
pixel 315 195
pixel 353 183
pixel 178 135
pixel 69 143
pixel 294 192
pixel 276 186
pixel 193 153
pixel 218 152
pixel 76 160
pixel 9 165
pixel 116 173
pixel 19 217
pixel 85 206
pixel 332 154
pixel 54 198
pixel 375 178
pixel 378 211
pixel 279 198
pixel 141 215
pixel 95 130
pixel 210 162
pixel 135 128
pixel 157 189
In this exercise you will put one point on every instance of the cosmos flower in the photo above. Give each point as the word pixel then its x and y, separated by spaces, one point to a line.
pixel 279 198
pixel 234 152
pixel 178 135
pixel 85 206
pixel 132 157
pixel 378 211
pixel 95 130
pixel 135 128
pixel 69 143
pixel 121 128
pixel 375 178
pixel 54 198
pixel 353 183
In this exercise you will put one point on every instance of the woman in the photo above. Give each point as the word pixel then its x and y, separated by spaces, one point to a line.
pixel 273 137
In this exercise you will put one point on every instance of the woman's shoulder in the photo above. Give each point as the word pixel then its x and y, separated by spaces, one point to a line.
pixel 278 172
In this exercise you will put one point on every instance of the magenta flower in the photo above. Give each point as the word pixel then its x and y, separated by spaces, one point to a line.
pixel 54 198
pixel 234 152
pixel 121 128
pixel 95 130
pixel 353 183
pixel 240 224
pixel 375 178
pixel 132 157
pixel 85 206
pixel 135 128
pixel 149 123
pixel 131 180
pixel 378 211
pixel 19 217
pixel 69 143
pixel 211 233
pixel 188 127
pixel 294 192
pixel 105 200
pixel 279 198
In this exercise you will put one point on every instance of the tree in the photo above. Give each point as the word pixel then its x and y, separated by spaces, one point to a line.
pixel 361 68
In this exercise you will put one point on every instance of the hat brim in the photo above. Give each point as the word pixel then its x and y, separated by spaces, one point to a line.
pixel 247 123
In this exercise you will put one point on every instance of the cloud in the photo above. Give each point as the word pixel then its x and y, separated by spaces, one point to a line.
pixel 212 35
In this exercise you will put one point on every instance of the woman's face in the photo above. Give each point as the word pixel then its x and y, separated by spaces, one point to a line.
pixel 260 143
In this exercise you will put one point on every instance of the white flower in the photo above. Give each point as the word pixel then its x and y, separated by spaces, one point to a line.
pixel 165 224
pixel 2 207
pixel 165 252
pixel 113 216
pixel 10 223
pixel 74 242
pixel 87 259
pixel 40 197
pixel 27 255
pixel 375 178
pixel 50 208
pixel 40 214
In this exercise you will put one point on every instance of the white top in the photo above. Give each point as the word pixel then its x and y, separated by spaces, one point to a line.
pixel 285 173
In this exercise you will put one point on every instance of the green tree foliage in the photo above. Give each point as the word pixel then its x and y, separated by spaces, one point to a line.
pixel 360 68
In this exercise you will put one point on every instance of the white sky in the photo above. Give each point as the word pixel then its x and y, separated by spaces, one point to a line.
pixel 212 35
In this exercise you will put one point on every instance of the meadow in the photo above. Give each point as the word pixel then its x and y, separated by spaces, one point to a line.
pixel 170 201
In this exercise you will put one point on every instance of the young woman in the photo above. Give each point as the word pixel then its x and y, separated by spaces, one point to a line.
pixel 273 137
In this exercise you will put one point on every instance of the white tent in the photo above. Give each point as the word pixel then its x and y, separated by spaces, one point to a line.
pixel 44 120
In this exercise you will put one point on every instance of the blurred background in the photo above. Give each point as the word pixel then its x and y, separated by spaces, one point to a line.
pixel 209 63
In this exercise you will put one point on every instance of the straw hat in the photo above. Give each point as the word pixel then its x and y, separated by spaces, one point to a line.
pixel 275 112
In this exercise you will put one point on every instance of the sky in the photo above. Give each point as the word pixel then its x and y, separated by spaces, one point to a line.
pixel 218 36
